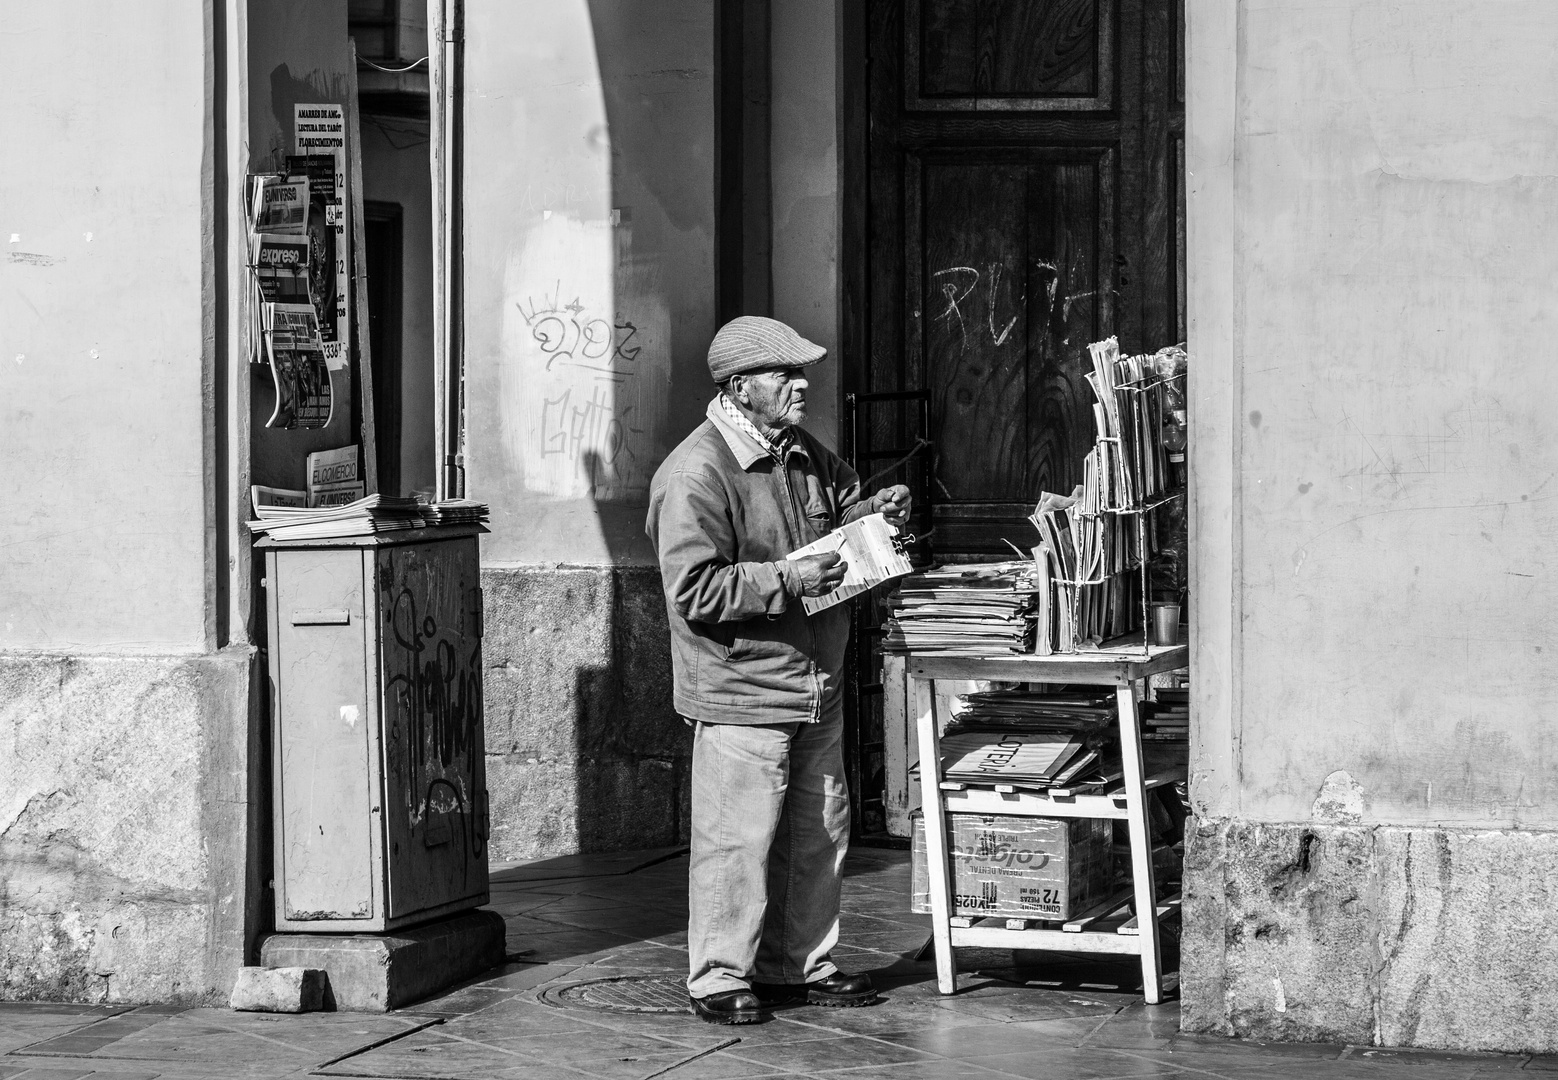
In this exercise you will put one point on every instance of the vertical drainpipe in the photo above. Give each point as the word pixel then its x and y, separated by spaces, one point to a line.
pixel 446 26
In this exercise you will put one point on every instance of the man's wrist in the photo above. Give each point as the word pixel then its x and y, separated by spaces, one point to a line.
pixel 790 577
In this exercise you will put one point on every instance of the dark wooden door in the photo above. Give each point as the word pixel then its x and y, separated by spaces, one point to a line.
pixel 1021 200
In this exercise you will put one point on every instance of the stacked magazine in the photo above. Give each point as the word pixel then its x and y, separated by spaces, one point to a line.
pixel 983 609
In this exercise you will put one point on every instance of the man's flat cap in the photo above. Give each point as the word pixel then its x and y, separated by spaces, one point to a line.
pixel 752 343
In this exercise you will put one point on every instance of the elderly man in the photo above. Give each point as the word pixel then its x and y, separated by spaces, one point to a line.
pixel 759 679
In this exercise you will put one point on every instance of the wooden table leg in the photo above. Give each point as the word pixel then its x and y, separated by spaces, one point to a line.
pixel 1145 887
pixel 936 862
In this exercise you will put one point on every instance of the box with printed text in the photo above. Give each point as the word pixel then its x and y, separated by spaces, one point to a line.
pixel 1020 867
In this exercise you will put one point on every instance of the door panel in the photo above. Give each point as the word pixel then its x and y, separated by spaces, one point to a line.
pixel 1022 191
pixel 1009 54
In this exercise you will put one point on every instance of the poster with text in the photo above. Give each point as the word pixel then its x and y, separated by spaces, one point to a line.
pixel 319 136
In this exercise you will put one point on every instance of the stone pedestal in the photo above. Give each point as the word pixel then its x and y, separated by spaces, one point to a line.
pixel 379 972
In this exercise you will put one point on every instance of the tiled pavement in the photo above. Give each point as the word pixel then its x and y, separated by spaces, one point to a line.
pixel 595 917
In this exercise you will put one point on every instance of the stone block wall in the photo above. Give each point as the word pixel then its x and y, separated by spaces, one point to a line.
pixel 1371 934
pixel 127 825
pixel 584 749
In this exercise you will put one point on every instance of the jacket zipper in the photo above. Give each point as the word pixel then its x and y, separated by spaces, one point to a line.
pixel 794 520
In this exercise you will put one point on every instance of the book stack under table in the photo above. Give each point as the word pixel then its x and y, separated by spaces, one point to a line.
pixel 957 780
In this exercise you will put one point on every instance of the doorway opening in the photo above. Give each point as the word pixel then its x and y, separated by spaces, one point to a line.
pixel 1012 184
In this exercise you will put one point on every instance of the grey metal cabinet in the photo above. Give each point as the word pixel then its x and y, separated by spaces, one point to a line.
pixel 379 785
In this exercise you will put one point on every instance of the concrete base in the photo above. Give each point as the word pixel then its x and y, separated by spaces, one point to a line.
pixel 379 972
pixel 129 832
pixel 1372 935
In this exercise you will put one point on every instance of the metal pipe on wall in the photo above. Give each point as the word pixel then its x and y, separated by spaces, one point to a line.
pixel 446 38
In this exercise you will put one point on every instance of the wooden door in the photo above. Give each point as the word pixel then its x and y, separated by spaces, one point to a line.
pixel 1020 201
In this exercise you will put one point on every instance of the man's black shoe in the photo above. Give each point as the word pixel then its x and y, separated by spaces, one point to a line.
pixel 731 1007
pixel 839 990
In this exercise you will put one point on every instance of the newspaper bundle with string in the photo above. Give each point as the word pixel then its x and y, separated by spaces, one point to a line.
pixel 873 551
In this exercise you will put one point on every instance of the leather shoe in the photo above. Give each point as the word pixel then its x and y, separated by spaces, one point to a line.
pixel 730 1007
pixel 839 990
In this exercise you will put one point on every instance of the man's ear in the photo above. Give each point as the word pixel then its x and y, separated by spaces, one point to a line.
pixel 738 390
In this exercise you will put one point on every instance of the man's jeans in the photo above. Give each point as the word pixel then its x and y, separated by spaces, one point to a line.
pixel 770 826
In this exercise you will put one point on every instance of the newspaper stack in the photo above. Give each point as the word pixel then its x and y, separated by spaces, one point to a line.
pixel 1082 712
pixel 455 512
pixel 1030 739
pixel 1168 718
pixel 365 517
pixel 976 610
pixel 1037 759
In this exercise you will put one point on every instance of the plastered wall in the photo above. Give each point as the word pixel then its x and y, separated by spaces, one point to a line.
pixel 103 347
pixel 589 218
pixel 805 185
pixel 1374 199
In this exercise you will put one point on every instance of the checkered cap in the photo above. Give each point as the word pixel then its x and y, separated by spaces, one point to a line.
pixel 752 343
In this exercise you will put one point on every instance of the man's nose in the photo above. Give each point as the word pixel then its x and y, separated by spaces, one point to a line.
pixel 798 382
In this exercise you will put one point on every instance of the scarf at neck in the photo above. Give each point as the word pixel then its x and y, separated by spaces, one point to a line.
pixel 775 447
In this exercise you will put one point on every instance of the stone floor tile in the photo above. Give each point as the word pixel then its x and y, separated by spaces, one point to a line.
pixel 934 1069
pixel 849 1051
pixel 1063 1063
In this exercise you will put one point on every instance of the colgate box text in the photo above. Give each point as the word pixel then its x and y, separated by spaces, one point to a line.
pixel 1020 867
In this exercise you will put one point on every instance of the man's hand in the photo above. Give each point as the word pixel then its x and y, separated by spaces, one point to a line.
pixel 820 574
pixel 893 503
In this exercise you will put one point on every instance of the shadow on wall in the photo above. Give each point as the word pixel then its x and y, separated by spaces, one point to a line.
pixel 591 308
pixel 634 751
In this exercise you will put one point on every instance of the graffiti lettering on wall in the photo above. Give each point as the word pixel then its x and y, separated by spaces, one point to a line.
pixel 973 303
pixel 590 408
pixel 433 678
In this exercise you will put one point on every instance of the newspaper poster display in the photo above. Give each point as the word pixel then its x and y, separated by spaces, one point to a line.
pixel 280 206
pixel 297 364
pixel 320 142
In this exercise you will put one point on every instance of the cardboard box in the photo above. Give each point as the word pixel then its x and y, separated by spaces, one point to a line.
pixel 1020 867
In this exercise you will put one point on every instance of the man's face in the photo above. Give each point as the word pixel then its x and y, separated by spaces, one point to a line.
pixel 776 398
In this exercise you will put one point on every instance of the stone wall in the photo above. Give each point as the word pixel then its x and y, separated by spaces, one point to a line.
pixel 1374 935
pixel 584 749
pixel 127 825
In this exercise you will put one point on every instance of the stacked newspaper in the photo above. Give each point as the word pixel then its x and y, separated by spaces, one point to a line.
pixel 1032 739
pixel 366 517
pixel 976 610
pixel 455 512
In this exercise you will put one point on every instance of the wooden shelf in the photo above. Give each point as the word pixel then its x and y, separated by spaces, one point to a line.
pixel 1120 665
pixel 1108 927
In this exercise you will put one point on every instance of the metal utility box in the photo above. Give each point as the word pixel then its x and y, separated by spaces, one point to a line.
pixel 379 780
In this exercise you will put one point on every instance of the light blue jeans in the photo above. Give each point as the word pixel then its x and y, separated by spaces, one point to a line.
pixel 770 827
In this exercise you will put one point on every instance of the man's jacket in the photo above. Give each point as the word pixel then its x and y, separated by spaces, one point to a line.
pixel 723 515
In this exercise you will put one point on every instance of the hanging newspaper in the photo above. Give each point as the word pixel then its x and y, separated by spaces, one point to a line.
pixel 320 140
pixel 297 364
pixel 278 205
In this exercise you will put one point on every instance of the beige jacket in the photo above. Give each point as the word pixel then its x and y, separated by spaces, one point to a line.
pixel 722 516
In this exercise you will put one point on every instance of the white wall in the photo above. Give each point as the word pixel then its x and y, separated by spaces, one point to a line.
pixel 1374 210
pixel 589 234
pixel 103 355
pixel 805 183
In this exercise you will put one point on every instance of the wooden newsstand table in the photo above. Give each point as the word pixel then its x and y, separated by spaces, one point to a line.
pixel 1089 931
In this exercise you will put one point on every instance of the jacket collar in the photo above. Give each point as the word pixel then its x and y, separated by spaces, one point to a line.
pixel 747 452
